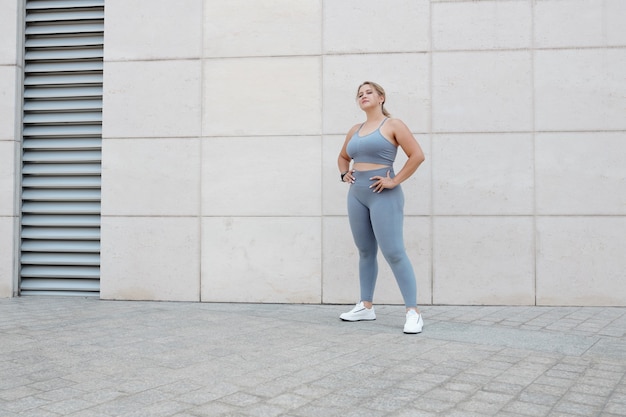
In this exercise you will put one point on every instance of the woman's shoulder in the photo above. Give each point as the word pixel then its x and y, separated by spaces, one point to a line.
pixel 353 129
pixel 397 125
pixel 393 121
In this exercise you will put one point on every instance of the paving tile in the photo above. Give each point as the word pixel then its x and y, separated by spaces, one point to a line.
pixel 577 408
pixel 539 398
pixel 527 409
pixel 90 358
pixel 67 406
pixel 618 409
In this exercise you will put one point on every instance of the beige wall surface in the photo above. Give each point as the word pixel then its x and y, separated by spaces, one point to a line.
pixel 10 116
pixel 223 120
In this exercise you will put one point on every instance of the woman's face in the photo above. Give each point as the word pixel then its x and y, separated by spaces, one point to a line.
pixel 368 97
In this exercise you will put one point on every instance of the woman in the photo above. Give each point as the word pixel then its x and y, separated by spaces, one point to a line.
pixel 376 201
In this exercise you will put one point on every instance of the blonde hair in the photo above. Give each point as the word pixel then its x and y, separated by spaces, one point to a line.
pixel 381 92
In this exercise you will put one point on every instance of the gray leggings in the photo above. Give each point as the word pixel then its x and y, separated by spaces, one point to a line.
pixel 376 220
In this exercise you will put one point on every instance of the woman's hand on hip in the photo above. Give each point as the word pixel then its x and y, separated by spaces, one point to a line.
pixel 348 177
pixel 382 183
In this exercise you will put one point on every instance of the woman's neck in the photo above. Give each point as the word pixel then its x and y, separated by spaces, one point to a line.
pixel 374 115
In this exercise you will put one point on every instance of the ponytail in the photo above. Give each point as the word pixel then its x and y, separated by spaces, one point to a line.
pixel 385 112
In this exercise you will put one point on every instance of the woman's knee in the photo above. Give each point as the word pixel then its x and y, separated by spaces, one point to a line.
pixel 368 252
pixel 395 256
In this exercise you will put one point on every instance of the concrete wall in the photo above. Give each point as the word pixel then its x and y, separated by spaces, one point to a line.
pixel 10 119
pixel 223 121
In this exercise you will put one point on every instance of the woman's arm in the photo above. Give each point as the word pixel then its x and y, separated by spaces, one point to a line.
pixel 405 139
pixel 343 161
pixel 411 148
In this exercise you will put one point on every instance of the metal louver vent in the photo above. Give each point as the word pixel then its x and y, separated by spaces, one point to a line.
pixel 62 137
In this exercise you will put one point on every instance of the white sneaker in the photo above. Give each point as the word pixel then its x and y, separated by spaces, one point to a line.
pixel 358 313
pixel 414 322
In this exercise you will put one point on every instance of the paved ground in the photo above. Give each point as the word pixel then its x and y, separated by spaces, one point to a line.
pixel 90 358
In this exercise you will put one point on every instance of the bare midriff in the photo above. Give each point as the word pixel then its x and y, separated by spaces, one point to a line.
pixel 366 166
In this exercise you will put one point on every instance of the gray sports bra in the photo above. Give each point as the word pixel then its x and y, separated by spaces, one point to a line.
pixel 372 148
